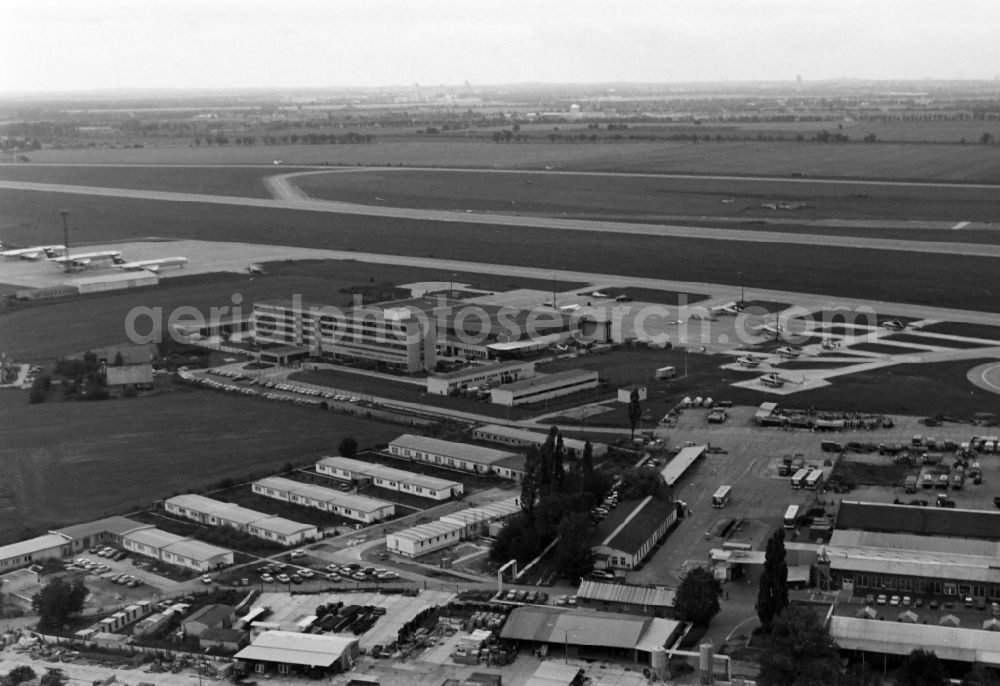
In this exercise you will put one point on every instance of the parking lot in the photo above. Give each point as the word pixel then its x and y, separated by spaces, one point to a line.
pixel 750 462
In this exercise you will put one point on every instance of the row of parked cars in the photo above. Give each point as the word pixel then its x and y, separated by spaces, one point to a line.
pixel 610 502
pixel 356 572
pixel 932 604
pixel 303 390
pixel 103 571
pixel 530 597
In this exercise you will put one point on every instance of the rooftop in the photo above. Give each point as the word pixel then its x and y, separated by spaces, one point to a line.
pixel 647 596
pixel 584 627
pixel 319 493
pixel 483 369
pixel 153 537
pixel 899 638
pixel 388 473
pixel 925 521
pixel 546 380
pixel 681 462
pixel 112 525
pixel 292 647
pixel 462 451
pixel 211 615
pixel 631 524
pixel 196 550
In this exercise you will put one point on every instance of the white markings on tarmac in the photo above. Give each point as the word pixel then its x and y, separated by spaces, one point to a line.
pixel 959 226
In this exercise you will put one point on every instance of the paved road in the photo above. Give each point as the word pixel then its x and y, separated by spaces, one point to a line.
pixel 470 220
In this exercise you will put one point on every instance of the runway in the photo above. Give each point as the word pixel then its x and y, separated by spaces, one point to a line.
pixel 470 221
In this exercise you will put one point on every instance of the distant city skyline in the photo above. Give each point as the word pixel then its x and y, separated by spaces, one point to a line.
pixel 53 45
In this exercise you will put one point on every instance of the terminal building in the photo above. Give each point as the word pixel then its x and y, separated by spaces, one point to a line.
pixel 397 337
pixel 216 513
pixel 459 456
pixel 355 507
pixel 364 473
pixel 540 388
pixel 410 334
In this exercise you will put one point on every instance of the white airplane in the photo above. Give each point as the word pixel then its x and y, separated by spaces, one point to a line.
pixel 830 344
pixel 772 380
pixel 86 259
pixel 34 252
pixel 598 294
pixel 151 265
pixel 788 351
pixel 895 325
pixel 255 269
pixel 750 361
pixel 728 308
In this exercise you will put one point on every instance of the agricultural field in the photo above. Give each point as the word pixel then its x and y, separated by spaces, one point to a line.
pixel 919 278
pixel 756 158
pixel 70 461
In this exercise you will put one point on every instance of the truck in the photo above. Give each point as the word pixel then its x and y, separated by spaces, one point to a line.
pixel 831 447
pixel 785 468
pixel 910 484
pixel 665 373
pixel 958 480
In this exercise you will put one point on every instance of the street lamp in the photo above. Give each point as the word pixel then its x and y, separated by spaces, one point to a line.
pixel 65 213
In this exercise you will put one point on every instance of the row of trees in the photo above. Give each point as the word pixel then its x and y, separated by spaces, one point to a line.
pixel 555 505
pixel 293 139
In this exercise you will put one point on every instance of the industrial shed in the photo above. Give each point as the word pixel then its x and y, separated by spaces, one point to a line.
pixel 290 652
pixel 655 601
pixel 589 633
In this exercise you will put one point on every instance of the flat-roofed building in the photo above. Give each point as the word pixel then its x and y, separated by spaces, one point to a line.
pixel 925 521
pixel 497 373
pixel 217 513
pixel 292 652
pixel 883 562
pixel 44 547
pixel 544 387
pixel 461 456
pixel 628 534
pixel 516 437
pixel 450 529
pixel 104 532
pixel 424 538
pixel 399 337
pixel 348 469
pixel 177 550
pixel 356 507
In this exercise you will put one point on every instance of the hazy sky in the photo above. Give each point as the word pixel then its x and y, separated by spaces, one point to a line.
pixel 84 44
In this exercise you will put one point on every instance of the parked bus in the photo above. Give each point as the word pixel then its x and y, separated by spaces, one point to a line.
pixel 799 479
pixel 814 480
pixel 722 496
pixel 791 516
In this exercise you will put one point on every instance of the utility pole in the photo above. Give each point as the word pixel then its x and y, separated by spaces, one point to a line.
pixel 742 293
pixel 65 213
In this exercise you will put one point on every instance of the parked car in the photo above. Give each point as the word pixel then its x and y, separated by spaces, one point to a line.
pixel 266 578
pixel 206 578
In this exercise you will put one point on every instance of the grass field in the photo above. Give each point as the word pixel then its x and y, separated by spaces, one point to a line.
pixel 608 196
pixel 65 462
pixel 944 343
pixel 964 329
pixel 218 180
pixel 965 282
pixel 881 161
